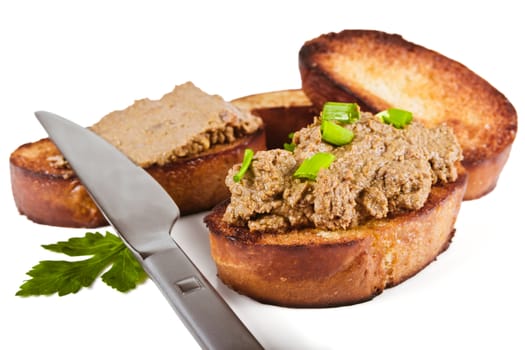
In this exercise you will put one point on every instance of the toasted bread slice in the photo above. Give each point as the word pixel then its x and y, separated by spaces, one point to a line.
pixel 379 70
pixel 49 193
pixel 316 268
pixel 282 111
pixel 187 140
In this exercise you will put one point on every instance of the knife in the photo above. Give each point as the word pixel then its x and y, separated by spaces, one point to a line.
pixel 143 214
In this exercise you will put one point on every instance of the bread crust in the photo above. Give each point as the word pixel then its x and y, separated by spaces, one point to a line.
pixel 380 70
pixel 315 268
pixel 283 112
pixel 54 195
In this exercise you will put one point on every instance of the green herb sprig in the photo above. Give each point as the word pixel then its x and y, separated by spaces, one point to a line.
pixel 66 277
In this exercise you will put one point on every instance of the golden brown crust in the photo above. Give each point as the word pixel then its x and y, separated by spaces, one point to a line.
pixel 54 195
pixel 380 70
pixel 47 194
pixel 197 183
pixel 313 268
pixel 282 111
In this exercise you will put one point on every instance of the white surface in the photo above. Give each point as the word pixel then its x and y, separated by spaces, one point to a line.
pixel 83 61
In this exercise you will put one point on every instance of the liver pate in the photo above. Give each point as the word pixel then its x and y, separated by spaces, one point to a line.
pixel 383 171
pixel 183 123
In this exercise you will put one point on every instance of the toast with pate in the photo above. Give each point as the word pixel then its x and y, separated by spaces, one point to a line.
pixel 318 268
pixel 310 266
pixel 187 141
pixel 380 70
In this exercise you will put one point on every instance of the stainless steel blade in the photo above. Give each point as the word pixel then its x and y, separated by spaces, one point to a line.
pixel 138 208
pixel 143 214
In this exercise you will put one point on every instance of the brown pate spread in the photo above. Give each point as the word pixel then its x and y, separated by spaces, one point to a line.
pixel 183 123
pixel 383 171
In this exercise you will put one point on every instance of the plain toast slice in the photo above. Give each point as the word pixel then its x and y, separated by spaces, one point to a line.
pixel 380 70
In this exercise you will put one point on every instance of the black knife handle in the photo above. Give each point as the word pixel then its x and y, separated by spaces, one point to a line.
pixel 211 321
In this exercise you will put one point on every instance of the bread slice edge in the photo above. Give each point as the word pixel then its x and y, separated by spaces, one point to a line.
pixel 316 268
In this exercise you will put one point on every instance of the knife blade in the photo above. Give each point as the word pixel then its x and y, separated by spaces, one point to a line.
pixel 143 215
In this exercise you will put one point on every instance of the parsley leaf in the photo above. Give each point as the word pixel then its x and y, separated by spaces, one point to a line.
pixel 125 273
pixel 66 277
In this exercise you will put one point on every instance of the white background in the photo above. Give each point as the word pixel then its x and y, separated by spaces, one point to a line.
pixel 84 60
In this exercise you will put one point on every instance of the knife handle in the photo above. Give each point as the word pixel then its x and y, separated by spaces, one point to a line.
pixel 211 321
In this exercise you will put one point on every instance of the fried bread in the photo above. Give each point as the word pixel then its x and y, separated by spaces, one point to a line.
pixel 47 191
pixel 312 267
pixel 54 196
pixel 317 268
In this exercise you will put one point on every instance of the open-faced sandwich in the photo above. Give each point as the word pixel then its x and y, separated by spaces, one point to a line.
pixel 356 203
pixel 351 208
pixel 187 141
pixel 379 70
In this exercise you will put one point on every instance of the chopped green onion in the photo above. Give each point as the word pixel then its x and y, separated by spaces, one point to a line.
pixel 341 112
pixel 335 134
pixel 398 118
pixel 289 146
pixel 247 160
pixel 311 166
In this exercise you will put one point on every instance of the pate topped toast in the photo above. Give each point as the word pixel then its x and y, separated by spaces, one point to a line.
pixel 380 70
pixel 187 141
pixel 304 263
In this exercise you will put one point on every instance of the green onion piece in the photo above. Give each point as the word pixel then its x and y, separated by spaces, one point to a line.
pixel 311 166
pixel 247 160
pixel 398 118
pixel 341 112
pixel 335 134
pixel 289 146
